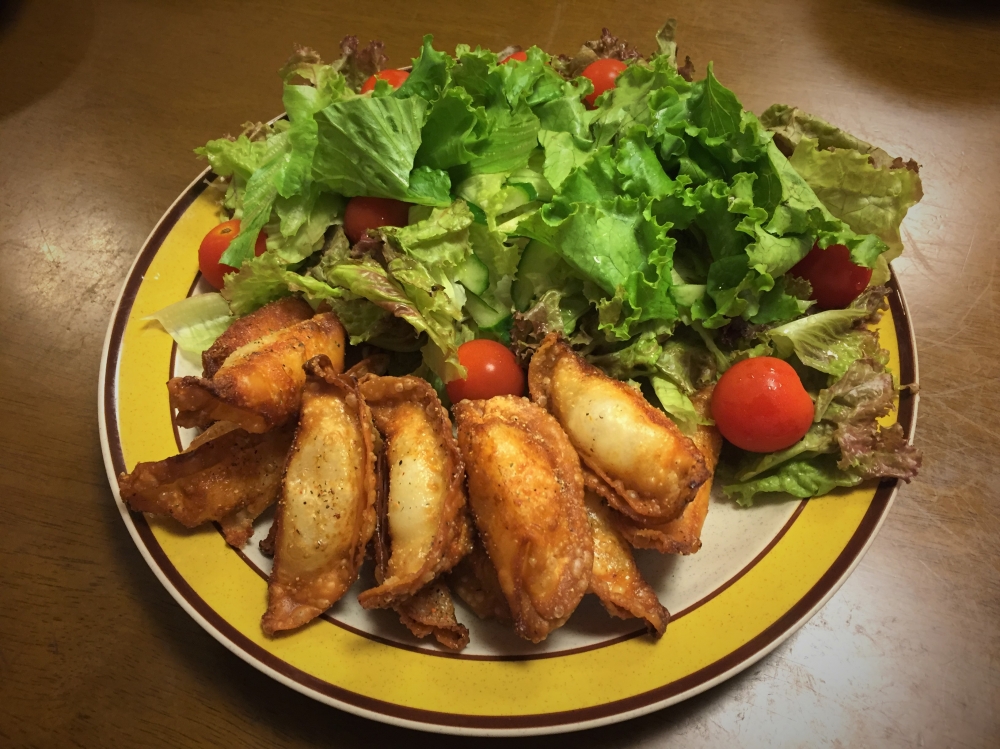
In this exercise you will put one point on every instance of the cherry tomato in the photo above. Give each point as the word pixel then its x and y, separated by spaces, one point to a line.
pixel 602 73
pixel 519 56
pixel 217 242
pixel 363 214
pixel 394 78
pixel 835 280
pixel 491 370
pixel 760 405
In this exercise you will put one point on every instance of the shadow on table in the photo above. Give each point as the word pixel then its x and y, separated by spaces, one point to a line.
pixel 942 50
pixel 953 8
pixel 41 43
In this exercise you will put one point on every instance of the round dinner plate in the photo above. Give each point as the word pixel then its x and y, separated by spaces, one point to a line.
pixel 761 574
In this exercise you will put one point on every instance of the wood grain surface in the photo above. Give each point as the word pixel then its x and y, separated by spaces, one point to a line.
pixel 100 106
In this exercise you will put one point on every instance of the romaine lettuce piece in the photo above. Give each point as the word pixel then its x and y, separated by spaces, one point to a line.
pixel 194 323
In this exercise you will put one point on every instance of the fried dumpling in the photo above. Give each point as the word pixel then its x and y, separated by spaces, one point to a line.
pixel 432 612
pixel 647 468
pixel 326 512
pixel 224 473
pixel 259 385
pixel 682 535
pixel 616 579
pixel 268 319
pixel 427 529
pixel 526 496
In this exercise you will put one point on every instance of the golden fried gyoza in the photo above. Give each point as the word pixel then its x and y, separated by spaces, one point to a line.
pixel 475 581
pixel 682 535
pixel 428 529
pixel 326 512
pixel 647 468
pixel 231 473
pixel 268 319
pixel 615 578
pixel 260 384
pixel 526 496
pixel 432 612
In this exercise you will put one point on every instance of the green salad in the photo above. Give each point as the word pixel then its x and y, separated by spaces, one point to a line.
pixel 654 231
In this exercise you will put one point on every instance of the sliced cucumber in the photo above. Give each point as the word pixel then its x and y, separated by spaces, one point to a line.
pixel 486 317
pixel 473 275
pixel 537 263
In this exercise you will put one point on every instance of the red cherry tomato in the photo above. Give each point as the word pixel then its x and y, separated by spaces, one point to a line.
pixel 760 405
pixel 602 73
pixel 217 242
pixel 835 280
pixel 519 56
pixel 363 214
pixel 394 78
pixel 491 369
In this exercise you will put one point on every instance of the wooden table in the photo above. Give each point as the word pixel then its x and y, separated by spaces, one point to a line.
pixel 100 106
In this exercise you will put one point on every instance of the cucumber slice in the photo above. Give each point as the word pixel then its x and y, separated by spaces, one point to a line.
pixel 537 263
pixel 486 317
pixel 473 275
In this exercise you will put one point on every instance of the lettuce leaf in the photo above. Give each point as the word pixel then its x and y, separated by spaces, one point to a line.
pixel 870 199
pixel 366 146
pixel 678 406
pixel 857 182
pixel 429 76
pixel 194 323
pixel 260 280
pixel 801 477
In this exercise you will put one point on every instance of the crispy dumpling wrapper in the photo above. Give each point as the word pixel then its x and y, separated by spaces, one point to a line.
pixel 647 468
pixel 432 612
pixel 682 535
pixel 424 514
pixel 615 578
pixel 268 319
pixel 224 473
pixel 526 496
pixel 326 513
pixel 259 386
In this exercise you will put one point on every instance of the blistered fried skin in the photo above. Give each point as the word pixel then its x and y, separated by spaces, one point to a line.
pixel 651 470
pixel 268 319
pixel 326 512
pixel 428 530
pixel 432 612
pixel 474 580
pixel 681 535
pixel 236 472
pixel 260 384
pixel 615 578
pixel 526 496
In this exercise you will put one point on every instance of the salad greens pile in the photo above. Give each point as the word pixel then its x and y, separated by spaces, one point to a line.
pixel 654 231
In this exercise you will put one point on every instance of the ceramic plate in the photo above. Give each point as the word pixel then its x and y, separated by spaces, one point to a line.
pixel 761 574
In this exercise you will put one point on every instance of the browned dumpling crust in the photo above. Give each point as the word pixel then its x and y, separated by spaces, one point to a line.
pixel 526 496
pixel 425 509
pixel 326 512
pixel 432 612
pixel 616 579
pixel 259 385
pixel 268 319
pixel 475 581
pixel 682 535
pixel 231 472
pixel 647 468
